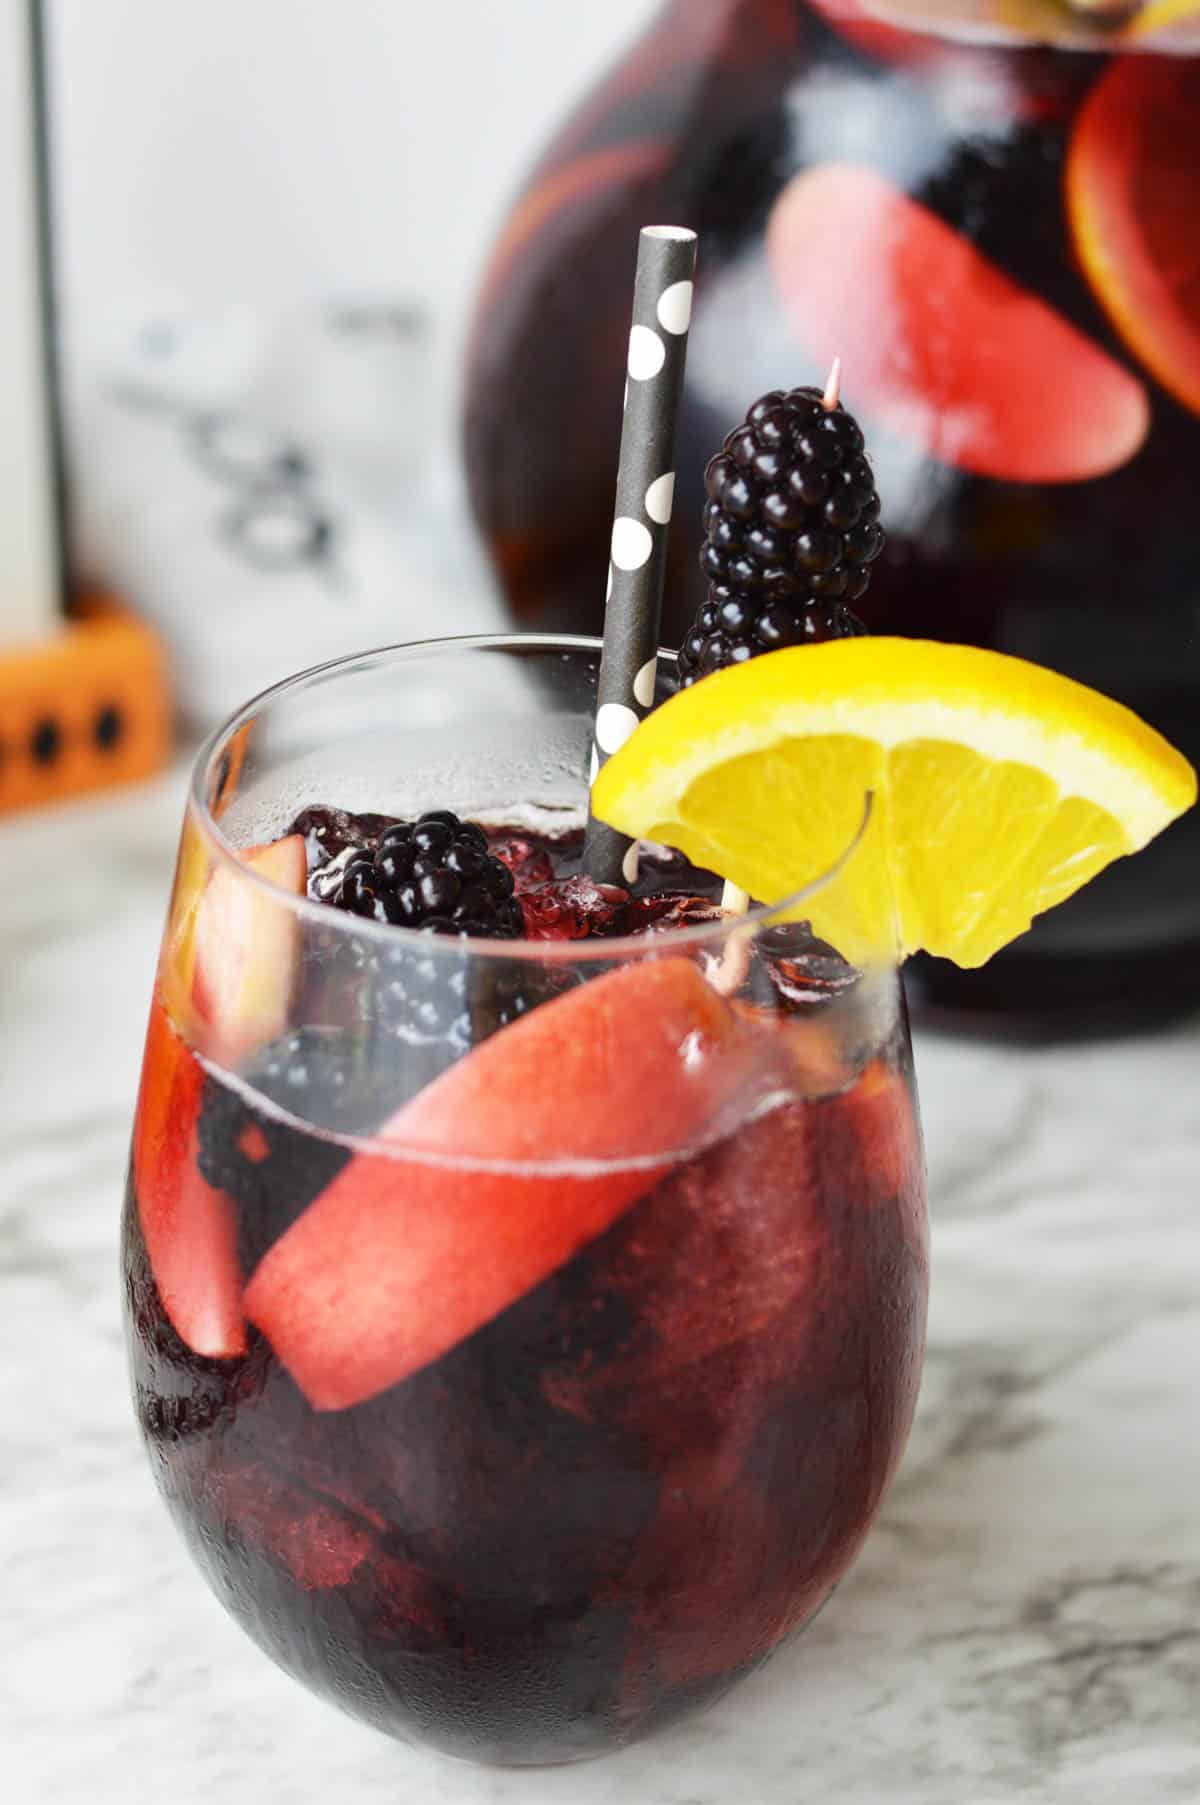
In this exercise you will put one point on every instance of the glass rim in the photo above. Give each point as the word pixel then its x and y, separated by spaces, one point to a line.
pixel 601 948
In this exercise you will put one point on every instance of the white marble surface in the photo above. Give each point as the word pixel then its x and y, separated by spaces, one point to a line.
pixel 1023 1625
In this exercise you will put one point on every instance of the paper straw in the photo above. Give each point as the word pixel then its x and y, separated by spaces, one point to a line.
pixel 662 312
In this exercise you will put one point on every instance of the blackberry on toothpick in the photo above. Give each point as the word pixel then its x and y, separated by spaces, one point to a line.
pixel 791 531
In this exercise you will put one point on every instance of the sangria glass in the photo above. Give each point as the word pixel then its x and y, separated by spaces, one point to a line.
pixel 523 1332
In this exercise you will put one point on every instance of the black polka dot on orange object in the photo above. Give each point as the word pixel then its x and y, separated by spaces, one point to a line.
pixel 45 742
pixel 109 726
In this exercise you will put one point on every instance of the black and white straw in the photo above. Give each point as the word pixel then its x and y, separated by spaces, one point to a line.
pixel 662 313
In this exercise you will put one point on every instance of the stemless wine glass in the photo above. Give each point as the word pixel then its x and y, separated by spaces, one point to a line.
pixel 523 1333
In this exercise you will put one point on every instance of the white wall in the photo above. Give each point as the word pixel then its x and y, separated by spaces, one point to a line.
pixel 264 151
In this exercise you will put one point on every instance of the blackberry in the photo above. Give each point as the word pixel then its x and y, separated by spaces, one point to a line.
pixel 270 1169
pixel 791 529
pixel 330 831
pixel 792 509
pixel 440 1007
pixel 731 627
pixel 435 873
pixel 424 1006
pixel 804 970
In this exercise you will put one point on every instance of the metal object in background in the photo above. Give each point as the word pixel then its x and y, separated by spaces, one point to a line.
pixel 31 483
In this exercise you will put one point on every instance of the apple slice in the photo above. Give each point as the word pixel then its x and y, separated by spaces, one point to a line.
pixel 245 949
pixel 177 964
pixel 869 28
pixel 946 350
pixel 188 1227
pixel 504 1167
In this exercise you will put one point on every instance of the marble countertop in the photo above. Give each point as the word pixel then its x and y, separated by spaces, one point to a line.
pixel 1024 1623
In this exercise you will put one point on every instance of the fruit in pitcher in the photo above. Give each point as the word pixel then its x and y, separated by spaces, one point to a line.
pixel 947 350
pixel 500 1170
pixel 879 38
pixel 1133 196
pixel 245 949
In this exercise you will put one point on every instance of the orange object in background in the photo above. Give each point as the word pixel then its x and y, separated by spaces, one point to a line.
pixel 84 700
pixel 85 709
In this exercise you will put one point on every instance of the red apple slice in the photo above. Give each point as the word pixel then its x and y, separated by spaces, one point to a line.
pixel 569 1115
pixel 863 26
pixel 188 1227
pixel 938 343
pixel 245 949
pixel 1133 196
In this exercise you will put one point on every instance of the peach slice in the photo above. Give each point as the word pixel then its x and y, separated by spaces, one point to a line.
pixel 188 1227
pixel 1133 196
pixel 245 949
pixel 945 349
pixel 506 1165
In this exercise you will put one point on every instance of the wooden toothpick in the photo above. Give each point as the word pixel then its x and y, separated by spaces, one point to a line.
pixel 833 387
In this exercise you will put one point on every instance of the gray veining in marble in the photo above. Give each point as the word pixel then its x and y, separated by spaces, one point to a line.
pixel 1024 1624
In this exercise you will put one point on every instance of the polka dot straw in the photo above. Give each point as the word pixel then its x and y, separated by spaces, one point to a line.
pixel 662 313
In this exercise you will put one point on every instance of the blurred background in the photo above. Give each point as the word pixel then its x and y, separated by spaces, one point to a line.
pixel 270 156
pixel 270 225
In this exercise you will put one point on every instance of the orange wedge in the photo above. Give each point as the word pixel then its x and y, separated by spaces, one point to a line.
pixel 998 788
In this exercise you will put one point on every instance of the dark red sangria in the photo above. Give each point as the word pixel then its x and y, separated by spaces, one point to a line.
pixel 526 1277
